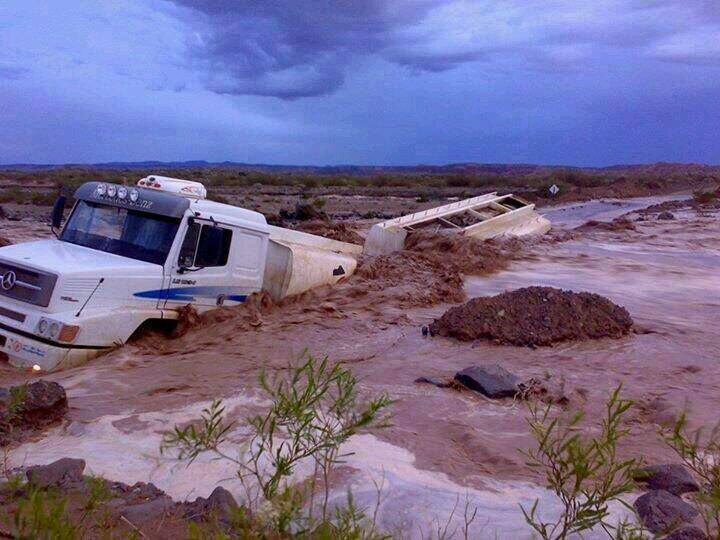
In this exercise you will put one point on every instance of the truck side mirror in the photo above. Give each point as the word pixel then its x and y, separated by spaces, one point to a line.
pixel 58 212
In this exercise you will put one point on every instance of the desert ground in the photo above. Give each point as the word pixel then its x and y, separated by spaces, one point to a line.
pixel 444 444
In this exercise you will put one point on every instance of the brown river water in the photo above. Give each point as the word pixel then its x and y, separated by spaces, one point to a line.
pixel 444 447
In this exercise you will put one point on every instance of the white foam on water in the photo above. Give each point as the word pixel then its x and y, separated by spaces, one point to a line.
pixel 413 501
pixel 134 455
pixel 419 502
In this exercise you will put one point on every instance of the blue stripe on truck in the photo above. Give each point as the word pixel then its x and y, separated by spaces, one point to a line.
pixel 189 294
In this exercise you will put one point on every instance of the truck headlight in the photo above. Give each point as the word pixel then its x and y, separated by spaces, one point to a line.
pixel 56 330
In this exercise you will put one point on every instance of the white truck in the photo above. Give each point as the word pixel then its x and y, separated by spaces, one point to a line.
pixel 127 255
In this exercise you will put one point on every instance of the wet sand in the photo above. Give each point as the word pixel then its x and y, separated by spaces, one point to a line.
pixel 443 444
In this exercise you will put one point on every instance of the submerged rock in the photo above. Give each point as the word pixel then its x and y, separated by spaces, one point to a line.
pixel 666 215
pixel 661 411
pixel 433 381
pixel 671 477
pixel 661 511
pixel 491 380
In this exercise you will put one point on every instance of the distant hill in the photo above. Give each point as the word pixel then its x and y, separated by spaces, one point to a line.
pixel 367 170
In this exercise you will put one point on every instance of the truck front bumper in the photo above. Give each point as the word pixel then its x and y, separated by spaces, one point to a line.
pixel 27 351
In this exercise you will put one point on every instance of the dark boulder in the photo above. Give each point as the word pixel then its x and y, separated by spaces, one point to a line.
pixel 666 216
pixel 63 472
pixel 220 505
pixel 139 514
pixel 41 403
pixel 29 408
pixel 671 477
pixel 687 532
pixel 661 511
pixel 145 491
pixel 491 380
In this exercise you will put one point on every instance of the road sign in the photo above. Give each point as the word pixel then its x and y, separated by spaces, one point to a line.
pixel 554 189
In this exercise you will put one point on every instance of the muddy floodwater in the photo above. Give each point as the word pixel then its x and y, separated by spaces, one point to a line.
pixel 445 447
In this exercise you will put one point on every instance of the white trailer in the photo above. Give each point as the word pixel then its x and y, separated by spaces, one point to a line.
pixel 131 254
pixel 483 217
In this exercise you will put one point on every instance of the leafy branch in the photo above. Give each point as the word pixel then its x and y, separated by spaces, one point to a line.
pixel 584 472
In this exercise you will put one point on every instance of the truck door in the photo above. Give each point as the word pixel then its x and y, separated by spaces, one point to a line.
pixel 202 273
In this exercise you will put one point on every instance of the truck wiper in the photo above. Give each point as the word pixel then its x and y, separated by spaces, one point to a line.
pixel 102 279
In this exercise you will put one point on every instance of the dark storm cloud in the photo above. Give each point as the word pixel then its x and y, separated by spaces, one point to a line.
pixel 360 81
pixel 291 49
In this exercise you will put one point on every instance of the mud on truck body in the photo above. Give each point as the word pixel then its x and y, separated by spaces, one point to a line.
pixel 127 255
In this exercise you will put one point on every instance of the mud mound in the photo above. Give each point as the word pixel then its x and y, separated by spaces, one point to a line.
pixel 430 268
pixel 666 206
pixel 619 224
pixel 534 316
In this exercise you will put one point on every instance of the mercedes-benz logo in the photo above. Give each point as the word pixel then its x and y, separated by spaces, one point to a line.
pixel 8 280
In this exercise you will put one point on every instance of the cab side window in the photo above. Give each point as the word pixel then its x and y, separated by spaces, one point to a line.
pixel 205 246
pixel 214 246
pixel 186 258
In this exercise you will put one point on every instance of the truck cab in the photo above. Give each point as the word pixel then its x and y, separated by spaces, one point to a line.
pixel 124 256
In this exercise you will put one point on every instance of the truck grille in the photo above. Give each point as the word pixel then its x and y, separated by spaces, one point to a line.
pixel 25 284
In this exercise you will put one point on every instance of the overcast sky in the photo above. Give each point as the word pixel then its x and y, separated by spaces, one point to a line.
pixel 578 82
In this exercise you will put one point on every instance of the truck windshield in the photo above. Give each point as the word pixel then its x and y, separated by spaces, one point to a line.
pixel 137 235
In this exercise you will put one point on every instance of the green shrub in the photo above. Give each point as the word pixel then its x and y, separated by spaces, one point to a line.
pixel 43 515
pixel 583 471
pixel 700 451
pixel 13 195
pixel 315 408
